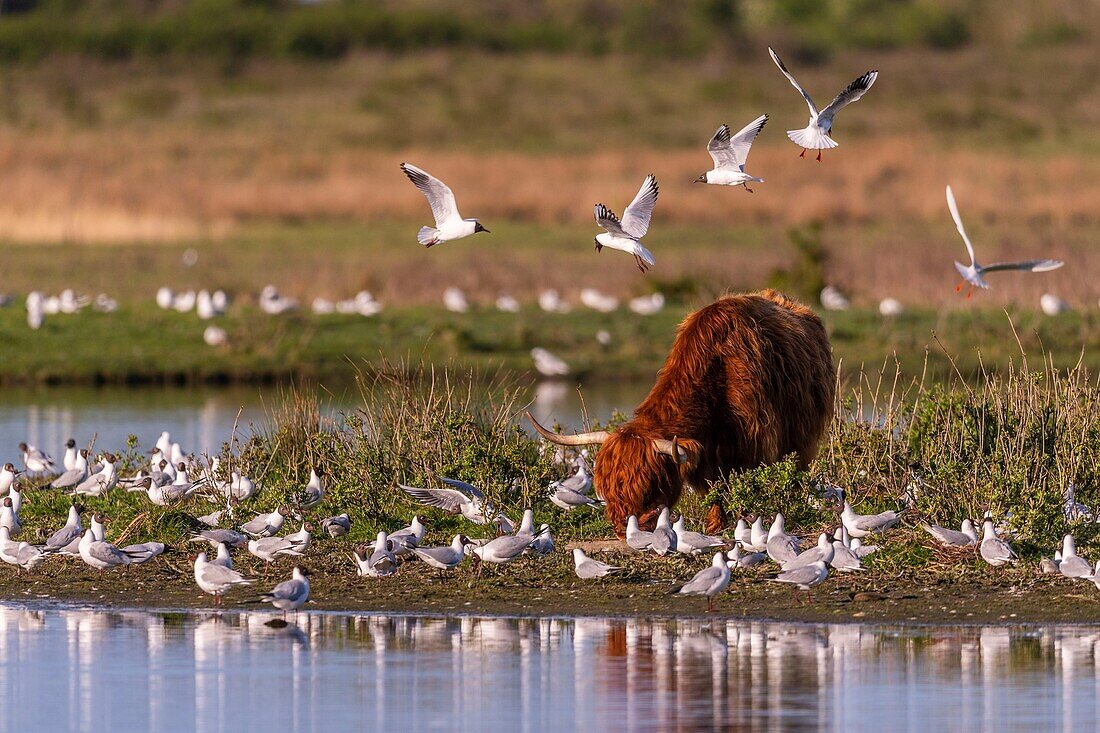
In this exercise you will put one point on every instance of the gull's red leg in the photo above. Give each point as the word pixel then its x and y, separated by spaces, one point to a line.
pixel 959 287
pixel 818 156
pixel 803 153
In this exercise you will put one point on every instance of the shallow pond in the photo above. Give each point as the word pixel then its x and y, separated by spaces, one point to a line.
pixel 201 420
pixel 81 670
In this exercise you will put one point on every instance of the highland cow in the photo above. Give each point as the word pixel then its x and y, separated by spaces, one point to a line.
pixel 749 380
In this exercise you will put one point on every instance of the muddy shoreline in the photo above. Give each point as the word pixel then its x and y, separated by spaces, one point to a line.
pixel 542 588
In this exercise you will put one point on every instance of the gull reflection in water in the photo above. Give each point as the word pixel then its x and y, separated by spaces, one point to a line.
pixel 103 670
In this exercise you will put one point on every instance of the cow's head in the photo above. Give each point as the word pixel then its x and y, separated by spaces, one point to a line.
pixel 637 472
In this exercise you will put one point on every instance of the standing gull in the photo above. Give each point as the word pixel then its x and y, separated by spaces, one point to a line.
pixel 973 272
pixel 625 235
pixel 449 224
pixel 290 594
pixel 804 578
pixel 815 135
pixel 444 558
pixel 1073 566
pixel 708 582
pixel 729 153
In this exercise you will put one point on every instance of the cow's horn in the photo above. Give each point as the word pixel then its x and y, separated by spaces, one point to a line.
pixel 597 436
pixel 670 448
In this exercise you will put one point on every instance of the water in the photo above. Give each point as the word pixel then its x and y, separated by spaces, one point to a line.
pixel 83 670
pixel 201 420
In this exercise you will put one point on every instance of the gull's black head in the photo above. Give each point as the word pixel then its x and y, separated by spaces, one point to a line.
pixel 479 228
pixel 70 443
pixel 702 178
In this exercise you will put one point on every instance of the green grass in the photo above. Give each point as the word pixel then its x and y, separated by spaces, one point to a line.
pixel 143 344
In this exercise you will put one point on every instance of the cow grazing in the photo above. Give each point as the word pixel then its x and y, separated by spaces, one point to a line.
pixel 749 380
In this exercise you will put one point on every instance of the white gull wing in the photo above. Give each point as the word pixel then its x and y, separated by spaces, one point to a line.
pixel 439 195
pixel 464 487
pixel 851 93
pixel 1025 265
pixel 448 500
pixel 795 84
pixel 731 152
pixel 637 215
pixel 959 224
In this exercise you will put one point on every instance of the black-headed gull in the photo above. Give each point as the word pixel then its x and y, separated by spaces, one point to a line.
pixel 588 568
pixel 101 554
pixel 973 272
pixel 337 526
pixel 729 153
pixel 862 525
pixel 735 558
pixel 804 578
pixel 269 549
pixel 708 582
pixel 953 538
pixel 1073 566
pixel 625 235
pixel 313 493
pixel 823 552
pixel 994 550
pixel 815 135
pixel 693 543
pixel 444 558
pixel 75 475
pixel 36 461
pixel 69 461
pixel 9 517
pixel 290 594
pixel 71 531
pixel 266 525
pixel 449 224
pixel 781 546
pixel 462 498
pixel 216 579
pixel 217 536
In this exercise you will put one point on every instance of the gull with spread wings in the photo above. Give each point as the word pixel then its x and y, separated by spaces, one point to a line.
pixel 625 235
pixel 815 135
pixel 729 153
pixel 973 272
pixel 449 224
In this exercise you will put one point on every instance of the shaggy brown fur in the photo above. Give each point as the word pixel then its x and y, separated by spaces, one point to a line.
pixel 750 379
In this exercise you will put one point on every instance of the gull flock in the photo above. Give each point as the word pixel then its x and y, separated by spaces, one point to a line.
pixel 729 153
pixel 287 531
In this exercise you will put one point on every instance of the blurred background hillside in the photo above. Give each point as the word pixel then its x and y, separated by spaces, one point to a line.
pixel 265 135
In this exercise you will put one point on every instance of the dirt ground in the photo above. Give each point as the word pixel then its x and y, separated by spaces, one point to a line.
pixel 547 587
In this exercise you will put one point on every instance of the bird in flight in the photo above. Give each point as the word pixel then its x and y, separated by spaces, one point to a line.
pixel 625 235
pixel 449 224
pixel 815 135
pixel 729 153
pixel 973 272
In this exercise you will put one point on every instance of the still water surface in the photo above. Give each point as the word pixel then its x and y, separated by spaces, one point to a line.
pixel 86 670
pixel 201 420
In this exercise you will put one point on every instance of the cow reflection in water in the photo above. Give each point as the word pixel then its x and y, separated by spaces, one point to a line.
pixel 107 670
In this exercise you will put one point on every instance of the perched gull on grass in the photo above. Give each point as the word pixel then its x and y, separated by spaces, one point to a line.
pixel 781 546
pixel 625 235
pixel 379 563
pixel 266 525
pixel 449 224
pixel 313 493
pixel 994 550
pixel 973 272
pixel 952 538
pixel 269 549
pixel 815 136
pixel 337 526
pixel 71 531
pixel 862 525
pixel 708 582
pixel 664 538
pixel 694 543
pixel 588 569
pixel 738 559
pixel 1073 566
pixel 729 153
pixel 569 500
pixel 36 461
